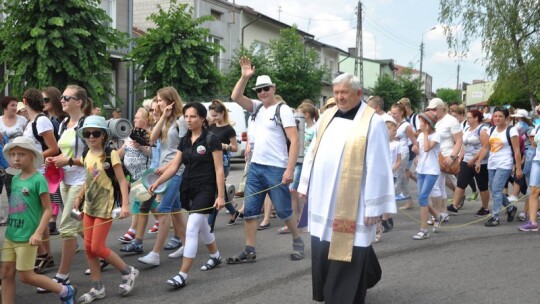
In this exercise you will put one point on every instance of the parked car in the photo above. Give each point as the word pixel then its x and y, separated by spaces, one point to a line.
pixel 238 117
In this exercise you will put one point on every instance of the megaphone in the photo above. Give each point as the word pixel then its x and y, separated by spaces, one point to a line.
pixel 120 128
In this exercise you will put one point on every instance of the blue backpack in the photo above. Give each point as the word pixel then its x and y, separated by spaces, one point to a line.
pixel 3 162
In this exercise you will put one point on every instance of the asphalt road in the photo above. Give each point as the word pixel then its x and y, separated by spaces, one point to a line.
pixel 464 263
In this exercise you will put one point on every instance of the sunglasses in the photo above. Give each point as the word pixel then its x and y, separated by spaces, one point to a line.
pixel 266 89
pixel 46 99
pixel 66 98
pixel 95 134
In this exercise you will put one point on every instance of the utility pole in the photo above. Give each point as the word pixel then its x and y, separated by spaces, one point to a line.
pixel 421 62
pixel 279 13
pixel 457 82
pixel 359 62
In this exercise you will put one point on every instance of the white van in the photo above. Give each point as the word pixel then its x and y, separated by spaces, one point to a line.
pixel 238 118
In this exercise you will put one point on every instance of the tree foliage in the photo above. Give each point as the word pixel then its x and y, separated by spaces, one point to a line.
pixel 451 96
pixel 510 91
pixel 509 31
pixel 392 90
pixel 292 66
pixel 178 53
pixel 49 42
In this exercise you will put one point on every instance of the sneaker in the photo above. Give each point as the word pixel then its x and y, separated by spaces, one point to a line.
pixel 233 220
pixel 178 253
pixel 445 217
pixel 70 297
pixel 154 228
pixel 492 222
pixel 92 295
pixel 482 212
pixel 510 214
pixel 57 280
pixel 452 209
pixel 127 237
pixel 128 281
pixel 522 216
pixel 151 258
pixel 528 226
pixel 473 196
pixel 431 220
pixel 512 198
pixel 402 197
pixel 133 247
pixel 421 235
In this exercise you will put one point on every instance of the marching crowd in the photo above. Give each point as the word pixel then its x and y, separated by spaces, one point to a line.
pixel 60 168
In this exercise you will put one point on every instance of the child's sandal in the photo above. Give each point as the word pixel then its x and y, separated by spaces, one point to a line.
pixel 177 282
pixel 211 264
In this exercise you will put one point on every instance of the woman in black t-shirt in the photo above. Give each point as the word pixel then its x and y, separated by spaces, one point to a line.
pixel 227 135
pixel 200 152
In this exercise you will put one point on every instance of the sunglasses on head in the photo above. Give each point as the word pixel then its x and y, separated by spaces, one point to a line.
pixel 266 89
pixel 95 134
pixel 67 98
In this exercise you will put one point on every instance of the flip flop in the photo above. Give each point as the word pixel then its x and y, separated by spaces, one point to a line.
pixel 263 227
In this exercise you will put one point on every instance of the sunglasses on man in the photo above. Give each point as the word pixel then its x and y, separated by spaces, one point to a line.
pixel 266 89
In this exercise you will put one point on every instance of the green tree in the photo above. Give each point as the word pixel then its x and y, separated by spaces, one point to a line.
pixel 510 90
pixel 388 88
pixel 410 87
pixel 297 71
pixel 49 42
pixel 509 31
pixel 292 66
pixel 449 95
pixel 178 53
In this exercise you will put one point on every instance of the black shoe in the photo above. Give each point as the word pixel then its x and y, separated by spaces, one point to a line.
pixel 391 222
pixel 482 212
pixel 452 209
pixel 52 229
pixel 492 222
pixel 386 226
pixel 511 214
pixel 233 220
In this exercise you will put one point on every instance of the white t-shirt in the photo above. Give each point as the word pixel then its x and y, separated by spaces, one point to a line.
pixel 414 120
pixel 395 151
pixel 536 136
pixel 500 154
pixel 428 162
pixel 14 131
pixel 43 124
pixel 446 127
pixel 271 146
pixel 401 135
pixel 74 175
pixel 472 144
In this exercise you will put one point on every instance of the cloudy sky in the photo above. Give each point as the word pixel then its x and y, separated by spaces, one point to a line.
pixel 392 29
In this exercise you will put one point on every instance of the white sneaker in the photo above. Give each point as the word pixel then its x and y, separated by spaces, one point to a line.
pixel 128 281
pixel 92 295
pixel 178 253
pixel 151 258
pixel 512 198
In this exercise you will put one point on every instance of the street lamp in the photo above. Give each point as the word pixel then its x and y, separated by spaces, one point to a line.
pixel 422 57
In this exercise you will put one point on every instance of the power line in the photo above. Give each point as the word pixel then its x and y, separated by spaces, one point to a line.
pixel 334 34
pixel 315 19
pixel 387 32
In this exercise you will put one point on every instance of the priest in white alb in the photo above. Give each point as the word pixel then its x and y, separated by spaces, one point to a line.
pixel 348 180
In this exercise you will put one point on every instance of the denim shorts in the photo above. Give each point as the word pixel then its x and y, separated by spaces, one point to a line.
pixel 260 178
pixel 535 174
pixel 170 200
pixel 297 173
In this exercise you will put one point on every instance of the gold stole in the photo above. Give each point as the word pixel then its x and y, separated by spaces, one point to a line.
pixel 350 183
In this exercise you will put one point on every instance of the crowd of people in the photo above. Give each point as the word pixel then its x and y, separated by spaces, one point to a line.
pixel 63 178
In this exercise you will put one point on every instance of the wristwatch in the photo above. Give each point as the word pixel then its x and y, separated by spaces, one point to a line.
pixel 70 162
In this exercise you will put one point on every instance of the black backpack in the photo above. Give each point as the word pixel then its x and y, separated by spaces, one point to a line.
pixel 508 139
pixel 109 170
pixel 39 137
pixel 277 118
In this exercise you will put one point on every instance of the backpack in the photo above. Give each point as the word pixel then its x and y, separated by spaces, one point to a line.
pixel 412 120
pixel 109 170
pixel 277 118
pixel 40 138
pixel 63 126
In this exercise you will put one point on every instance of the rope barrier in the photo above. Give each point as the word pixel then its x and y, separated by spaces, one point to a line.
pixel 161 213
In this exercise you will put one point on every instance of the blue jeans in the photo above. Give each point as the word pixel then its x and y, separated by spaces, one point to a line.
pixel 170 200
pixel 259 179
pixel 497 179
pixel 425 183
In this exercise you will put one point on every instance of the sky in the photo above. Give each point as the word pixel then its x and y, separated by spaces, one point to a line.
pixel 392 29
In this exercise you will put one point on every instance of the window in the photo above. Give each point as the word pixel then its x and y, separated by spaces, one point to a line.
pixel 216 59
pixel 109 6
pixel 261 47
pixel 217 15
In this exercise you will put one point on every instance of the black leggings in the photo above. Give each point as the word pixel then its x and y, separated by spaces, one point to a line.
pixel 466 175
